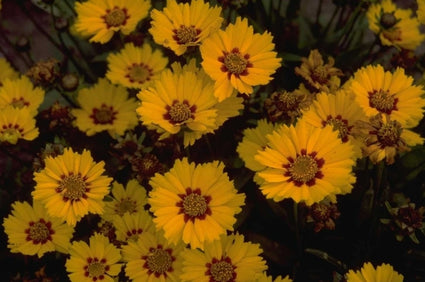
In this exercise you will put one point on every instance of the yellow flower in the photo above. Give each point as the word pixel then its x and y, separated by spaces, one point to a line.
pixel 105 107
pixel 132 199
pixel 184 101
pixel 96 261
pixel 379 91
pixel 318 75
pixel 17 124
pixel 31 230
pixel 384 272
pixel 238 59
pixel 306 163
pixel 339 110
pixel 229 258
pixel 130 226
pixel 394 26
pixel 135 67
pixel 180 26
pixel 102 18
pixel 152 258
pixel 71 185
pixel 383 138
pixel 194 203
pixel 254 139
pixel 7 71
pixel 21 93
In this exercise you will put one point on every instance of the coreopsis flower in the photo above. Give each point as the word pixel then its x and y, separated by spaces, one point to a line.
pixel 152 258
pixel 254 139
pixel 383 138
pixel 180 26
pixel 105 107
pixel 21 93
pixel 17 124
pixel 44 73
pixel 100 19
pixel 71 185
pixel 130 226
pixel 145 166
pixel 135 67
pixel 96 261
pixel 7 71
pixel 318 75
pixel 406 220
pixel 323 215
pixel 183 100
pixel 393 94
pixel 58 117
pixel 230 258
pixel 238 59
pixel 306 163
pixel 338 110
pixel 194 203
pixel 132 199
pixel 32 231
pixel 368 273
pixel 284 105
pixel 395 26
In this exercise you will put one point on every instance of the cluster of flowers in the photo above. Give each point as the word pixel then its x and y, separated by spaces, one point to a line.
pixel 182 230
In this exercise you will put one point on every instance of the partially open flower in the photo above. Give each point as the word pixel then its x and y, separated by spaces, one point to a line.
pixel 44 72
pixel 323 215
pixel 287 105
pixel 405 221
pixel 384 138
pixel 318 75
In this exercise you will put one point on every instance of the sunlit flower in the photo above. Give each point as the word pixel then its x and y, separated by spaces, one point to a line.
pixel 7 71
pixel 379 91
pixel 135 67
pixel 338 110
pixel 96 261
pixel 100 19
pixel 71 185
pixel 229 258
pixel 132 199
pixel 368 273
pixel 194 203
pixel 152 258
pixel 105 107
pixel 31 230
pixel 17 124
pixel 21 93
pixel 306 163
pixel 238 59
pixel 318 75
pixel 394 26
pixel 184 100
pixel 182 25
pixel 383 138
pixel 130 226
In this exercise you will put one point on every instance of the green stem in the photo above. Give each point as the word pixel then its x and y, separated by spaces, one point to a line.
pixel 319 11
pixel 328 25
pixel 70 7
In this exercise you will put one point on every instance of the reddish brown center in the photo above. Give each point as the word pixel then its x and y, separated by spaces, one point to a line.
pixel 115 17
pixel 339 124
pixel 96 269
pixel 73 187
pixel 103 115
pixel 39 232
pixel 178 112
pixel 186 35
pixel 383 101
pixel 221 270
pixel 194 205
pixel 304 169
pixel 159 261
pixel 234 63
pixel 139 73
